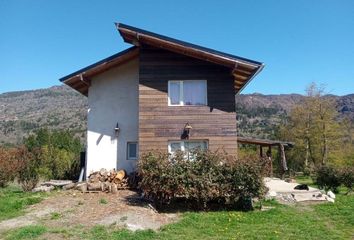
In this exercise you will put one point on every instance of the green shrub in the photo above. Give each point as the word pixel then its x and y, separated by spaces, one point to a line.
pixel 347 178
pixel 209 177
pixel 328 178
pixel 55 215
pixel 59 153
pixel 103 201
pixel 28 175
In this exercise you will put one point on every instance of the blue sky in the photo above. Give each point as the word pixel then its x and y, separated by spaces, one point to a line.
pixel 300 41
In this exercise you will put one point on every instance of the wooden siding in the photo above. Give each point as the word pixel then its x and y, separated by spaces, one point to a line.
pixel 159 123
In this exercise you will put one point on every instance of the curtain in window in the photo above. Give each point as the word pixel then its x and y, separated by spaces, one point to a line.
pixel 194 92
pixel 175 93
pixel 175 147
pixel 191 147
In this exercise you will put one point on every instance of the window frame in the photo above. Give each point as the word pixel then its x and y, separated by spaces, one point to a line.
pixel 181 94
pixel 137 151
pixel 182 143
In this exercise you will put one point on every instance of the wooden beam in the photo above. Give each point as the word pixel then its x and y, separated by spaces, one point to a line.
pixel 85 80
pixel 238 82
pixel 263 142
pixel 76 84
pixel 240 71
pixel 82 89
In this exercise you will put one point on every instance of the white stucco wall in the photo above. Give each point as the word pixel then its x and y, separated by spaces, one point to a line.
pixel 112 98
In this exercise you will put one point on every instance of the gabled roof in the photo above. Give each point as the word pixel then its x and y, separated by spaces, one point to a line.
pixel 243 69
pixel 80 80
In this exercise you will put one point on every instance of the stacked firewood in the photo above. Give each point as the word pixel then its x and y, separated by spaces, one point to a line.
pixel 107 181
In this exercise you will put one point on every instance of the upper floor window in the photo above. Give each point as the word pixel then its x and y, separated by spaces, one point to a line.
pixel 187 93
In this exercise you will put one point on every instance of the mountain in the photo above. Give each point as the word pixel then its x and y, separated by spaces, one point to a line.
pixel 259 115
pixel 60 107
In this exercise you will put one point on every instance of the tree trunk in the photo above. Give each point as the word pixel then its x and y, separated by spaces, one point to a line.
pixel 307 153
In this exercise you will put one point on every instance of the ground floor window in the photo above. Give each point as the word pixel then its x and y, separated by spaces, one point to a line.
pixel 132 150
pixel 188 147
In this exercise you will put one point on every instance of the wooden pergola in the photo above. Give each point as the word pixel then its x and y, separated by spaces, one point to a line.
pixel 269 144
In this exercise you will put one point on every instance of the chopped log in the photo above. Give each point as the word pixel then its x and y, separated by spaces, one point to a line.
pixel 81 187
pixel 103 171
pixel 107 186
pixel 69 186
pixel 120 175
pixel 43 189
pixel 114 188
pixel 108 181
pixel 57 183
pixel 95 186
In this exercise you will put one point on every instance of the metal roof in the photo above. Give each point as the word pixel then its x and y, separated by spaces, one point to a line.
pixel 187 44
pixel 242 69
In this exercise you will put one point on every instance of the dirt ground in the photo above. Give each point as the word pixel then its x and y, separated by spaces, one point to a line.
pixel 71 208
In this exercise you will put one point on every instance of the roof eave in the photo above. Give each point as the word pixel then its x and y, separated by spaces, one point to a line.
pixel 81 79
pixel 249 68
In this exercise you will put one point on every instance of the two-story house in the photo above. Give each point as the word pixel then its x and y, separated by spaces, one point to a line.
pixel 162 94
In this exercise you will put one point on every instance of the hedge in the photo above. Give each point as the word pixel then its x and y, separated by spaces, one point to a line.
pixel 209 177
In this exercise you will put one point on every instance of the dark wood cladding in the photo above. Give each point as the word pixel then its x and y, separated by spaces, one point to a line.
pixel 159 123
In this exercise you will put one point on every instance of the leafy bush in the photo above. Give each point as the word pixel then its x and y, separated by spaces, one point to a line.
pixel 347 177
pixel 328 178
pixel 209 177
pixel 8 165
pixel 28 174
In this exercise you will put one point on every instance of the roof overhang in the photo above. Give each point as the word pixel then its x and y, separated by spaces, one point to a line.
pixel 81 79
pixel 242 69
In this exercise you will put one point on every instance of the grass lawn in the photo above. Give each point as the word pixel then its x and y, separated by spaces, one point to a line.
pixel 13 201
pixel 323 221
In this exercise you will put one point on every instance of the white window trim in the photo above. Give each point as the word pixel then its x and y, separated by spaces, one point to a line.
pixel 137 151
pixel 181 102
pixel 183 141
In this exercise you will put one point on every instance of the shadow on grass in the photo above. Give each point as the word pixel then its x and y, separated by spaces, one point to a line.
pixel 180 205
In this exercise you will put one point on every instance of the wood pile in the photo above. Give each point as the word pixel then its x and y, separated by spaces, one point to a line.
pixel 107 181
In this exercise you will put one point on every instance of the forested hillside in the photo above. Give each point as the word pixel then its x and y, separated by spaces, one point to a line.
pixel 60 107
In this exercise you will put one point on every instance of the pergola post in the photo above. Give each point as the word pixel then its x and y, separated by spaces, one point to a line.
pixel 269 155
pixel 269 143
pixel 283 164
